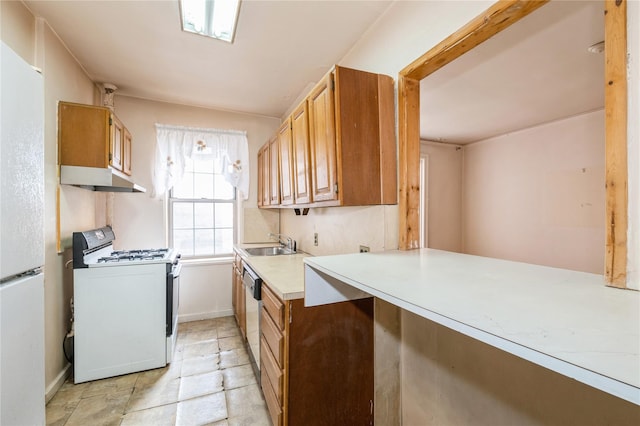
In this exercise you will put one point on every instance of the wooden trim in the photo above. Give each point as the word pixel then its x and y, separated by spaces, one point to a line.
pixel 499 16
pixel 616 142
pixel 409 162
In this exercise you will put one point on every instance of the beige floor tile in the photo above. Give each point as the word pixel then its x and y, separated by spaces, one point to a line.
pixel 202 410
pixel 204 385
pixel 164 415
pixel 159 376
pixel 228 343
pixel 111 385
pixel 69 392
pixel 59 412
pixel 246 407
pixel 190 326
pixel 200 384
pixel 196 336
pixel 237 377
pixel 234 357
pixel 229 321
pixel 228 330
pixel 100 410
pixel 199 365
pixel 200 349
pixel 154 396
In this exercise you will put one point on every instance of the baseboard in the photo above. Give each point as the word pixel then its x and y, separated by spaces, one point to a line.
pixel 204 315
pixel 57 383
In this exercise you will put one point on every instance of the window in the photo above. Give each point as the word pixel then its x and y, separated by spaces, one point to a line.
pixel 202 209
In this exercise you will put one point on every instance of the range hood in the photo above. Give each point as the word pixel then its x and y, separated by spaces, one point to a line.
pixel 97 179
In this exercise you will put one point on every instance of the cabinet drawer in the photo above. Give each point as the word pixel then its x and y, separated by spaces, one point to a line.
pixel 273 405
pixel 273 337
pixel 270 366
pixel 274 306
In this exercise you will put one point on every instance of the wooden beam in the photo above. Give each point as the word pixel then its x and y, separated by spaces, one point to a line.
pixel 616 142
pixel 495 19
pixel 409 162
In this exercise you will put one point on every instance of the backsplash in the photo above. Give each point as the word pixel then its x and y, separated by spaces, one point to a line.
pixel 342 230
pixel 258 223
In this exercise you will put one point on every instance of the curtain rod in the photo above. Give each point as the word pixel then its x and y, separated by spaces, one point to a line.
pixel 201 130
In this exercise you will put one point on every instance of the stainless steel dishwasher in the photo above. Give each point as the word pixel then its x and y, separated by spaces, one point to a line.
pixel 253 304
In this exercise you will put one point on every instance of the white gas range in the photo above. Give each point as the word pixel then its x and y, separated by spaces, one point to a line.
pixel 125 306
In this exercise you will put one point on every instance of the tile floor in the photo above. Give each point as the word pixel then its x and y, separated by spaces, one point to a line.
pixel 209 382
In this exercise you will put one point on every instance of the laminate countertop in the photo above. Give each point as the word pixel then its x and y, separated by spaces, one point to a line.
pixel 284 274
pixel 567 321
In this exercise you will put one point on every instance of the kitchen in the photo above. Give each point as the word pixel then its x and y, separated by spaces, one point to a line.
pixel 340 230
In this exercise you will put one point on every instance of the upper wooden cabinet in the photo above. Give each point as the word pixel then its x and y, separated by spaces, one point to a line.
pixel 285 156
pixel 92 136
pixel 301 161
pixel 268 175
pixel 338 147
pixel 274 175
pixel 352 139
pixel 126 152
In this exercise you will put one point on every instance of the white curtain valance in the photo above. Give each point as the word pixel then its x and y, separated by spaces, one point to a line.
pixel 175 144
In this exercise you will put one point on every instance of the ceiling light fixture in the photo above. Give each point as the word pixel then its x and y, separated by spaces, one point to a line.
pixel 211 18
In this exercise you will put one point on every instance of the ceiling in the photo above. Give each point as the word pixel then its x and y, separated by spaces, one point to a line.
pixel 280 49
pixel 534 72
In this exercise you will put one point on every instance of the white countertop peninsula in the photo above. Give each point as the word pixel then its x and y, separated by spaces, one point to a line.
pixel 566 321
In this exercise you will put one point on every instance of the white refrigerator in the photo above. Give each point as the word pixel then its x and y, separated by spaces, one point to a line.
pixel 22 388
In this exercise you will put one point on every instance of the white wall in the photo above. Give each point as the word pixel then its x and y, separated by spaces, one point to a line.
pixel 538 196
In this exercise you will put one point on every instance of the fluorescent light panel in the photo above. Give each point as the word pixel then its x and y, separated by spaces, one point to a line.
pixel 211 18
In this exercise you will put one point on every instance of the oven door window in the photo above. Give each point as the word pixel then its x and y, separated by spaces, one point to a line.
pixel 202 219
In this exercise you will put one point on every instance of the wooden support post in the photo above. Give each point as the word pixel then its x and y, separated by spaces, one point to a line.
pixel 616 142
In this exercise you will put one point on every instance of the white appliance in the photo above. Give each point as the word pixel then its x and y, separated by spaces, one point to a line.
pixel 22 387
pixel 253 306
pixel 125 306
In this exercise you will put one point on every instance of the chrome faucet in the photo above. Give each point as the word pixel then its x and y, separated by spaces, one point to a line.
pixel 289 242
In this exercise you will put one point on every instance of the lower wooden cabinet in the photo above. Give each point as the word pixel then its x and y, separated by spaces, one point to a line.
pixel 317 362
pixel 237 295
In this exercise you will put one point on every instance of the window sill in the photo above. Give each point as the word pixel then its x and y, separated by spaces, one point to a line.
pixel 207 261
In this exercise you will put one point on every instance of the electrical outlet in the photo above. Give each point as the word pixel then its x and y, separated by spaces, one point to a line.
pixel 364 249
pixel 315 239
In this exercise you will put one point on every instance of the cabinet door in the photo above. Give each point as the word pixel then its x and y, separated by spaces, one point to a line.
pixel 266 177
pixel 274 175
pixel 322 141
pixel 83 135
pixel 126 152
pixel 286 170
pixel 117 133
pixel 300 140
pixel 261 180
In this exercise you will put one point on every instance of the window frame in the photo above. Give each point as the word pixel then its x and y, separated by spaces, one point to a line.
pixel 172 200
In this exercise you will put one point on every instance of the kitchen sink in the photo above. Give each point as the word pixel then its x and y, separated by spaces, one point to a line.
pixel 268 251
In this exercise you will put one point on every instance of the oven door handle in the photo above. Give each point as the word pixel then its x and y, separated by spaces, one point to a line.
pixel 175 270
